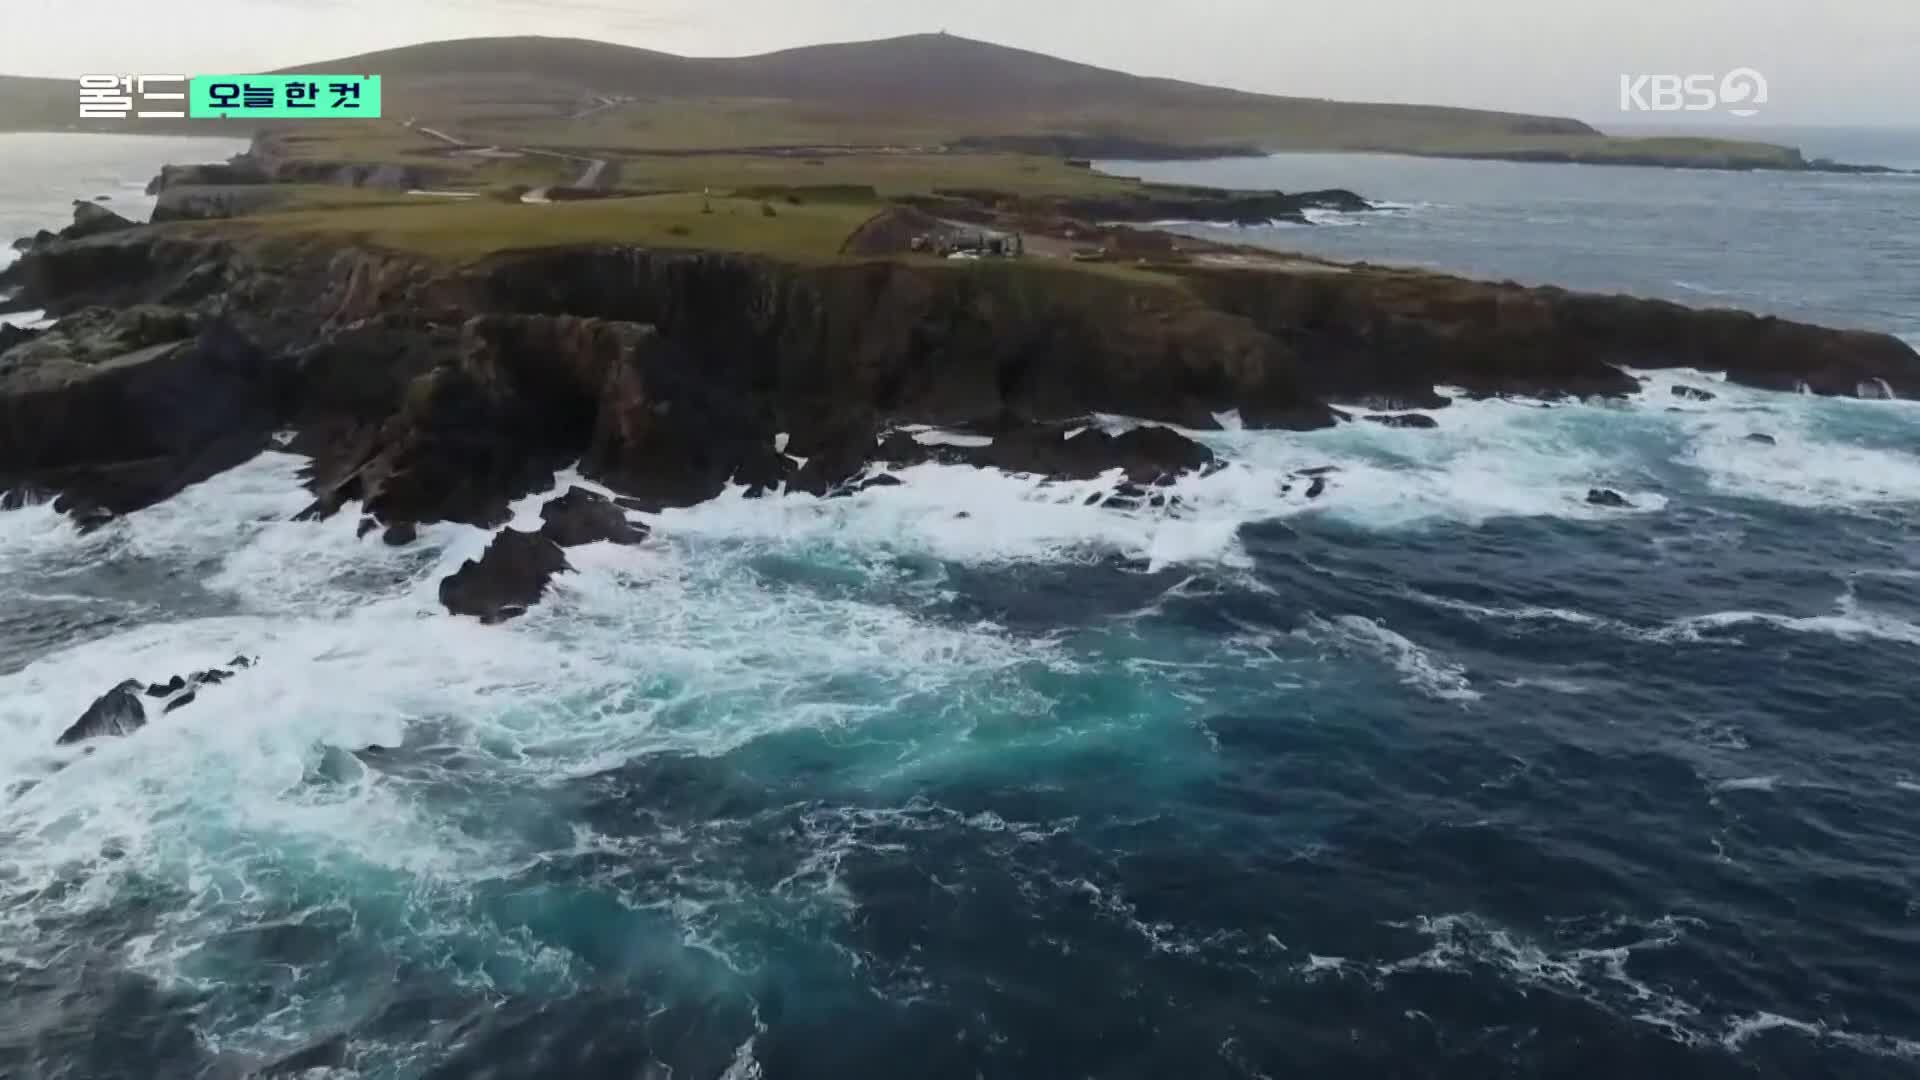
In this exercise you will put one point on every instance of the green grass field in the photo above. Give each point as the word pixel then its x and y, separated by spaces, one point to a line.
pixel 461 231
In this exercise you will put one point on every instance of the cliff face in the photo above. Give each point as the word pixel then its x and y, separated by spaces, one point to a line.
pixel 427 392
pixel 1401 332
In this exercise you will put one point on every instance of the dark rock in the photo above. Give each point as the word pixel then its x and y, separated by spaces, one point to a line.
pixel 95 334
pixel 1608 498
pixel 509 578
pixel 213 676
pixel 171 686
pixel 91 219
pixel 1147 455
pixel 116 712
pixel 584 517
pixel 880 480
pixel 1167 202
pixel 1763 439
pixel 11 335
pixel 1318 470
pixel 28 243
pixel 181 702
pixel 1317 488
pixel 366 525
pixel 1693 393
pixel 400 534
pixel 113 434
pixel 1128 496
pixel 1404 420
pixel 241 662
pixel 835 456
pixel 241 170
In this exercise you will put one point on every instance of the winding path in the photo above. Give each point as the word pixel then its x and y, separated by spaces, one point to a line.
pixel 591 172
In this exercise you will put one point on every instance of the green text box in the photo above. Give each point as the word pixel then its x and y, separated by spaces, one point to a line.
pixel 288 97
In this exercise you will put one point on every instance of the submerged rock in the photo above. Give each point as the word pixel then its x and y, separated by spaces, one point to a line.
pixel 116 712
pixel 1608 498
pixel 1317 488
pixel 505 581
pixel 585 517
pixel 1403 420
pixel 1693 393
pixel 1763 439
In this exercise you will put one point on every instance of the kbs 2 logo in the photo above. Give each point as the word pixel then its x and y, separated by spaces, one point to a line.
pixel 1740 92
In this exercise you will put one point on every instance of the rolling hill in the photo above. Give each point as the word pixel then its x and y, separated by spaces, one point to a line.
pixel 925 90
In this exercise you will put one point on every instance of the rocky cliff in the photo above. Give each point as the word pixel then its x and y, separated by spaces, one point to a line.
pixel 427 392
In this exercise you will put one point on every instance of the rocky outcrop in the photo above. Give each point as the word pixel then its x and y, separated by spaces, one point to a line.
pixel 92 219
pixel 11 335
pixel 584 517
pixel 1378 331
pixel 40 238
pixel 505 581
pixel 1608 498
pixel 512 575
pixel 115 430
pixel 240 169
pixel 1692 393
pixel 116 712
pixel 120 711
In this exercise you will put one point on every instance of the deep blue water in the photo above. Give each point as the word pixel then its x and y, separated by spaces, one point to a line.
pixel 1447 773
pixel 1836 249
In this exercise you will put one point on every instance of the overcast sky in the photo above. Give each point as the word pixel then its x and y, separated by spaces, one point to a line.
pixel 1827 61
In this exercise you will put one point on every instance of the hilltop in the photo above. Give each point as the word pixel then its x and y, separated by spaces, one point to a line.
pixel 925 90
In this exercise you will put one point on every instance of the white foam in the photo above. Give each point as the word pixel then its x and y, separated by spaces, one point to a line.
pixel 964 514
pixel 927 436
pixel 1742 1029
pixel 32 319
pixel 1748 783
pixel 1852 624
pixel 1850 621
pixel 676 645
pixel 1420 668
pixel 1812 463
pixel 1487 459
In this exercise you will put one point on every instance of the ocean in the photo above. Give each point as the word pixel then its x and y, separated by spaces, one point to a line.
pixel 1448 773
